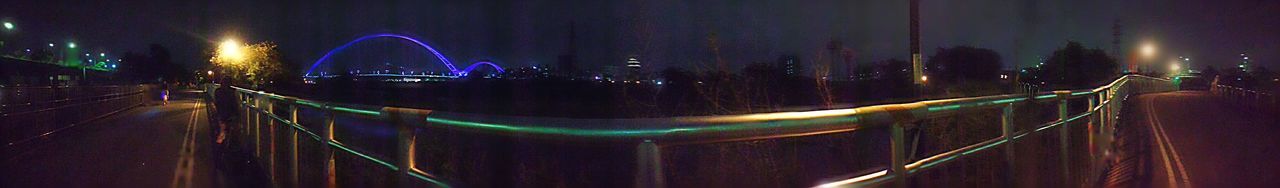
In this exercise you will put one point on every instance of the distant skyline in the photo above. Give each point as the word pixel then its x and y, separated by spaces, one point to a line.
pixel 662 32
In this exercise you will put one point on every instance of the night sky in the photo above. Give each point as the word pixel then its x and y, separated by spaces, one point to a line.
pixel 662 32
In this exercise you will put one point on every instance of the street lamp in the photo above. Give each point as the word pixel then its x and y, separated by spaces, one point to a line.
pixel 1148 50
pixel 8 25
pixel 1174 67
pixel 230 49
pixel 71 45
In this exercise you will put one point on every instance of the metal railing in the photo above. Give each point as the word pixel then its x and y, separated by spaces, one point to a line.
pixel 1251 98
pixel 270 117
pixel 29 113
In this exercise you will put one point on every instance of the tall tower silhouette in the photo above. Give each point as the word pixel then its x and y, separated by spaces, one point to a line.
pixel 566 62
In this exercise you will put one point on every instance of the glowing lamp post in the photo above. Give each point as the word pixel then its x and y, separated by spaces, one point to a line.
pixel 230 50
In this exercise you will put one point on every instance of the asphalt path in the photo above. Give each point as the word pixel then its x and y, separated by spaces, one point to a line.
pixel 1195 139
pixel 148 146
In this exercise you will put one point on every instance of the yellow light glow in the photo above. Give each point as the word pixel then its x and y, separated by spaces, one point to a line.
pixel 1148 50
pixel 1175 67
pixel 924 78
pixel 209 72
pixel 230 49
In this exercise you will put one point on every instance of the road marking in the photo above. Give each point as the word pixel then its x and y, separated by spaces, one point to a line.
pixel 186 155
pixel 1162 139
pixel 1177 158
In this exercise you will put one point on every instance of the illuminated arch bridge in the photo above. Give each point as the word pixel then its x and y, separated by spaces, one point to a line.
pixel 448 64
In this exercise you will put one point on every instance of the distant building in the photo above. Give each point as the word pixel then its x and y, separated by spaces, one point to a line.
pixel 1244 63
pixel 788 64
pixel 633 63
pixel 634 71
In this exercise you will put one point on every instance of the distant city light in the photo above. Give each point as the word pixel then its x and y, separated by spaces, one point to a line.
pixel 102 54
pixel 50 44
pixel 71 45
pixel 8 25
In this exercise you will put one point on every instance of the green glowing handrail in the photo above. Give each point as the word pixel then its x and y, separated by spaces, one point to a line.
pixel 716 128
pixel 751 125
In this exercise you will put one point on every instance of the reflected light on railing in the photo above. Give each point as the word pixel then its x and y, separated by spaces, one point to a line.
pixel 783 116
pixel 855 179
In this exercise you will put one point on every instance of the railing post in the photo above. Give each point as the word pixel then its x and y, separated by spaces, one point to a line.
pixel 1063 137
pixel 402 119
pixel 1096 142
pixel 899 154
pixel 330 170
pixel 293 142
pixel 649 165
pixel 271 139
pixel 1008 129
pixel 257 125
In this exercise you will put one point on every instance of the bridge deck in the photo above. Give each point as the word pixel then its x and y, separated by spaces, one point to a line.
pixel 1195 139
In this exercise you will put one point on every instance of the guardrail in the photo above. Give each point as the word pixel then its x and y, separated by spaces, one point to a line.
pixel 30 113
pixel 643 140
pixel 1252 98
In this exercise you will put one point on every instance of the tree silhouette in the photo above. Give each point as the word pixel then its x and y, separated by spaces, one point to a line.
pixel 964 64
pixel 1075 66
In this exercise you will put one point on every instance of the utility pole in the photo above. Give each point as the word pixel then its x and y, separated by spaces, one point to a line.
pixel 917 67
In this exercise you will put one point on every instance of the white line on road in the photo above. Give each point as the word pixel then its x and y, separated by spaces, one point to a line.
pixel 1167 150
pixel 186 155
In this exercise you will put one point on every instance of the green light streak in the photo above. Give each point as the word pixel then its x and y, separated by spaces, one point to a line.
pixel 357 111
pixel 533 129
pixel 311 104
pixel 370 158
pixel 944 108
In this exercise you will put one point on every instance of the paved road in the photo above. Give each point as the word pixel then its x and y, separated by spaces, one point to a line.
pixel 1197 140
pixel 149 146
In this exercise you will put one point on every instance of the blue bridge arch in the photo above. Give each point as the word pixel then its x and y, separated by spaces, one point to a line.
pixel 445 60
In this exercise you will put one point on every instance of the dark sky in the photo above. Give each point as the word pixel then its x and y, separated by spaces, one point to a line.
pixel 662 32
